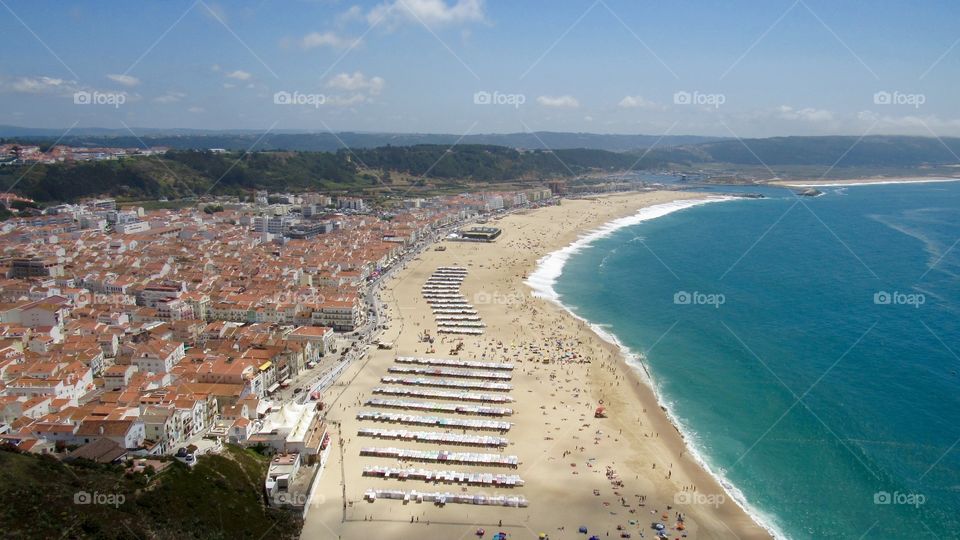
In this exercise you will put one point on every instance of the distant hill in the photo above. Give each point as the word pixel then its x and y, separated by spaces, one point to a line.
pixel 219 498
pixel 249 140
pixel 179 174
pixel 490 163
pixel 185 173
pixel 841 151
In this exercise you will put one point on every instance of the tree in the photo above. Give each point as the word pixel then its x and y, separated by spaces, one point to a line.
pixel 20 205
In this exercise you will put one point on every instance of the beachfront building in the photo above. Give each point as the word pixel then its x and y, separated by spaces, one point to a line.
pixel 320 338
pixel 492 203
pixel 293 429
pixel 481 234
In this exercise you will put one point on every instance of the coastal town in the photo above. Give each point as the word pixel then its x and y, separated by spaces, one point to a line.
pixel 13 154
pixel 148 335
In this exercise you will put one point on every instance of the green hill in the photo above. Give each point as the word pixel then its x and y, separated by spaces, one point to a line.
pixel 191 173
pixel 220 498
pixel 179 174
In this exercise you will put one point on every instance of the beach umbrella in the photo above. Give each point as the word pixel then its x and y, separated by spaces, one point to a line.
pixel 481 532
pixel 583 529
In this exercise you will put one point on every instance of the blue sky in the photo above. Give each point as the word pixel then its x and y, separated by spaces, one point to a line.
pixel 749 69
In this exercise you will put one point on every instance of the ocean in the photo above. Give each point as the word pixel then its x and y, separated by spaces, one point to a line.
pixel 807 347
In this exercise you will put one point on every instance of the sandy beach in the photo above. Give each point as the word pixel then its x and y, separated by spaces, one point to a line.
pixel 862 182
pixel 629 469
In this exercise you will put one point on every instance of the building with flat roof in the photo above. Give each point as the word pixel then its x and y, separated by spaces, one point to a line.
pixel 481 234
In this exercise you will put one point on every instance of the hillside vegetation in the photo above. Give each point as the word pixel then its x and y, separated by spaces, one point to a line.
pixel 179 174
pixel 220 498
pixel 192 173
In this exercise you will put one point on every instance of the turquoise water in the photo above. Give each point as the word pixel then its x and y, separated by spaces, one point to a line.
pixel 798 379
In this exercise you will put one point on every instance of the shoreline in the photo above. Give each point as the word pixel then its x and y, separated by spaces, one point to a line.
pixel 862 182
pixel 561 458
pixel 548 272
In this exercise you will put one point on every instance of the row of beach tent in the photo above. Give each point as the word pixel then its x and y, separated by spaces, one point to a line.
pixel 451 372
pixel 442 383
pixel 438 497
pixel 442 292
pixel 440 407
pixel 453 362
pixel 455 439
pixel 442 394
pixel 436 421
pixel 442 456
pixel 457 477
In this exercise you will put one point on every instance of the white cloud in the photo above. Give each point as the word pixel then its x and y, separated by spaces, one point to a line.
pixel 639 102
pixel 908 124
pixel 325 39
pixel 430 12
pixel 52 86
pixel 357 82
pixel 126 80
pixel 560 102
pixel 355 13
pixel 807 114
pixel 170 97
pixel 41 85
pixel 196 110
pixel 240 75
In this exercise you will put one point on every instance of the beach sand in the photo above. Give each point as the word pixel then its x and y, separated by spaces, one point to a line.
pixel 875 181
pixel 564 451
